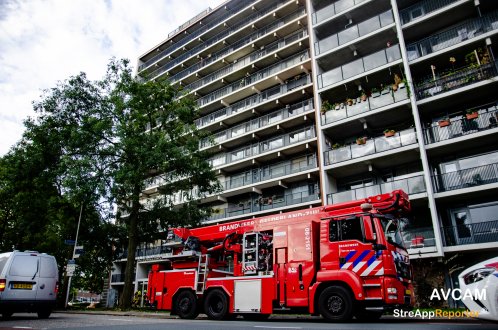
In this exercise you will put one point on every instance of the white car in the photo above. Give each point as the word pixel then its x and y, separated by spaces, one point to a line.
pixel 482 277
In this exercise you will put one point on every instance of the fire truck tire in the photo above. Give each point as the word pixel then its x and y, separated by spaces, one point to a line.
pixel 186 305
pixel 336 304
pixel 256 317
pixel 216 305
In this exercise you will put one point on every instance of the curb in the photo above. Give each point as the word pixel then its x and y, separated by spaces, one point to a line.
pixel 276 317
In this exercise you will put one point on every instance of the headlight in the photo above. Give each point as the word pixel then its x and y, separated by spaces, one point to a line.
pixel 478 275
pixel 392 290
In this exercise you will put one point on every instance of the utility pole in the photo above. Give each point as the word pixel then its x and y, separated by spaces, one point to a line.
pixel 74 253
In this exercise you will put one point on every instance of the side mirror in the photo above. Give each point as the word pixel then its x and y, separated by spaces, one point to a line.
pixel 369 234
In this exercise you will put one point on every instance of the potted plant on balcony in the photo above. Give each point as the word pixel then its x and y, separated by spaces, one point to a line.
pixel 385 89
pixel 471 114
pixel 261 201
pixel 389 132
pixel 325 106
pixel 375 92
pixel 363 96
pixel 397 82
pixel 349 101
pixel 248 203
pixel 361 141
pixel 336 146
pixel 444 122
pixel 240 204
pixel 337 106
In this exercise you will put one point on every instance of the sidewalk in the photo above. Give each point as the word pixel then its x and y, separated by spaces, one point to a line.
pixel 284 317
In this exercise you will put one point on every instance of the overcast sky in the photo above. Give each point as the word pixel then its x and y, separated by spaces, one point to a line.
pixel 42 41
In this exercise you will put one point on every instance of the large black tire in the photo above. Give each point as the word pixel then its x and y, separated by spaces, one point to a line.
pixel 44 314
pixel 6 315
pixel 186 305
pixel 216 305
pixel 365 316
pixel 256 317
pixel 336 304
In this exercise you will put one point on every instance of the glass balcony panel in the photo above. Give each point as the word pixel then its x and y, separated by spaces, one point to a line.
pixel 367 192
pixel 334 115
pixel 386 18
pixel 384 144
pixel 324 13
pixel 352 69
pixel 375 60
pixel 393 53
pixel 400 94
pixel 327 44
pixel 342 5
pixel 381 100
pixel 363 150
pixel 369 25
pixel 416 238
pixel 348 35
pixel 345 196
pixel 357 108
pixel 277 143
pixel 338 155
pixel 331 77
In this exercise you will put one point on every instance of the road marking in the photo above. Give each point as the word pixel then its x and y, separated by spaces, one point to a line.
pixel 262 326
pixel 120 320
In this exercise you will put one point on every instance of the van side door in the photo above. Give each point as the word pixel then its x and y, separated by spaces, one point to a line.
pixel 22 278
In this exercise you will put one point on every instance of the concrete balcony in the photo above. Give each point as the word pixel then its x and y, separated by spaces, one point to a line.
pixel 289 92
pixel 284 119
pixel 255 83
pixel 358 68
pixel 413 186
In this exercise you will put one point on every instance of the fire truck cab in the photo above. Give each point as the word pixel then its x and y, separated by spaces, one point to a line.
pixel 341 261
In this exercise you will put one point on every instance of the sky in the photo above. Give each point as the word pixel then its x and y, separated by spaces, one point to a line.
pixel 44 41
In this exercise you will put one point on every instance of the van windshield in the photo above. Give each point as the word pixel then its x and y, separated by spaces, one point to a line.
pixel 393 235
pixel 4 257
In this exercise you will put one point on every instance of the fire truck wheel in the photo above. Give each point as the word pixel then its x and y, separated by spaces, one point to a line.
pixel 256 317
pixel 216 305
pixel 336 304
pixel 186 305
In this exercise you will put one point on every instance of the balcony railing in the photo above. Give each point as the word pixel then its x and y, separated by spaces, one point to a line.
pixel 190 21
pixel 236 45
pixel 418 238
pixel 255 124
pixel 262 204
pixel 384 98
pixel 465 77
pixel 471 177
pixel 461 127
pixel 359 66
pixel 372 146
pixel 354 32
pixel 255 77
pixel 333 9
pixel 474 233
pixel 422 8
pixel 262 147
pixel 200 31
pixel 116 278
pixel 453 36
pixel 413 185
pixel 253 100
pixel 269 172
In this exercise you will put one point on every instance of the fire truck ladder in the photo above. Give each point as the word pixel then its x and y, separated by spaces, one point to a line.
pixel 202 272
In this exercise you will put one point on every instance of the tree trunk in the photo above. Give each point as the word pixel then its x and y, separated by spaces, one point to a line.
pixel 129 288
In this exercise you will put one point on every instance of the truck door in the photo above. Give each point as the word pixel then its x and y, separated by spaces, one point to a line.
pixel 280 246
pixel 300 268
pixel 355 247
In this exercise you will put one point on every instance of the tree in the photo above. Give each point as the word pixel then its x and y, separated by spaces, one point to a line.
pixel 118 133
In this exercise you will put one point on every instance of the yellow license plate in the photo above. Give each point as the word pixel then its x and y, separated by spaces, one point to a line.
pixel 22 286
pixel 408 291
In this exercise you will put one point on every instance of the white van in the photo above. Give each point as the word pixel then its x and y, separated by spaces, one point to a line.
pixel 29 282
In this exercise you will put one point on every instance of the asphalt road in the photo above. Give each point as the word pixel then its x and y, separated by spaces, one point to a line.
pixel 111 322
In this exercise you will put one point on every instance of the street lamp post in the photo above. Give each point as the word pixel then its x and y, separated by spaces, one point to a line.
pixel 74 253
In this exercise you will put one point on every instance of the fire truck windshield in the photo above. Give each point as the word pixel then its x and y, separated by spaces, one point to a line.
pixel 393 235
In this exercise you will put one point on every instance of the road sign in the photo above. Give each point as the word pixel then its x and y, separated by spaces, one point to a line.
pixel 80 252
pixel 76 256
pixel 71 261
pixel 70 267
pixel 68 242
pixel 79 247
pixel 69 273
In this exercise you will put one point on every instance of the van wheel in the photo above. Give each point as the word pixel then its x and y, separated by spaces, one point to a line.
pixel 186 305
pixel 7 315
pixel 336 304
pixel 256 317
pixel 44 314
pixel 216 305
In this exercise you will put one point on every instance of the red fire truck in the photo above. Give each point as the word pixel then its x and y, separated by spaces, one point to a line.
pixel 340 261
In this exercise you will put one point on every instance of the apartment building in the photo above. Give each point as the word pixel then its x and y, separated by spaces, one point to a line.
pixel 314 102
